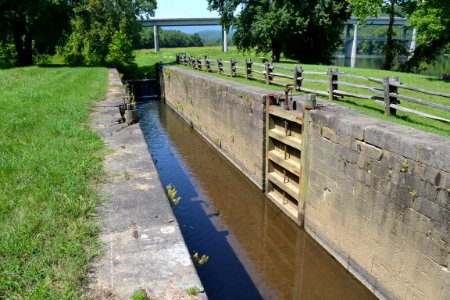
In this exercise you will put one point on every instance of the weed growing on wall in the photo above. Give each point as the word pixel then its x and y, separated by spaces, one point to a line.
pixel 193 291
pixel 171 195
pixel 199 260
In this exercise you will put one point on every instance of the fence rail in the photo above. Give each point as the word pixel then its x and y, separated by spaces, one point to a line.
pixel 386 93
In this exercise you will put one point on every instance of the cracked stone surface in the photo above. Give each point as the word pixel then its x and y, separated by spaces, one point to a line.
pixel 143 248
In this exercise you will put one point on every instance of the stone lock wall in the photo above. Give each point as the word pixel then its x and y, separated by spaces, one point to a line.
pixel 378 200
pixel 228 114
pixel 377 195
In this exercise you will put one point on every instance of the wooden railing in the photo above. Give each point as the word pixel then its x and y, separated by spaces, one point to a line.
pixel 384 91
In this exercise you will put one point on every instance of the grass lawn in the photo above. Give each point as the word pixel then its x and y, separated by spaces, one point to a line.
pixel 146 59
pixel 50 160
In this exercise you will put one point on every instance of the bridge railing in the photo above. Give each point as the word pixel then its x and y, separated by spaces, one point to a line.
pixel 332 84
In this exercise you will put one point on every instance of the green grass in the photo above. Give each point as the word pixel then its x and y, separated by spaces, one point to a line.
pixel 145 59
pixel 50 160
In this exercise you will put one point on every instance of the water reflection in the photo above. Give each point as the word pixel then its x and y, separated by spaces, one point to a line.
pixel 255 251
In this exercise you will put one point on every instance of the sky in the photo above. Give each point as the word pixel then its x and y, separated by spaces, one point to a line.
pixel 184 9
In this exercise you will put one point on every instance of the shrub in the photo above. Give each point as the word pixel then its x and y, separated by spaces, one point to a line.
pixel 8 56
pixel 120 49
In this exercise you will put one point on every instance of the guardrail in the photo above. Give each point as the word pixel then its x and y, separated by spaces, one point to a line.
pixel 383 91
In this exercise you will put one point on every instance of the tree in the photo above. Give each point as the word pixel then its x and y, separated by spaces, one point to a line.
pixel 196 40
pixel 304 30
pixel 431 19
pixel 95 23
pixel 36 25
pixel 169 39
pixel 371 8
pixel 120 49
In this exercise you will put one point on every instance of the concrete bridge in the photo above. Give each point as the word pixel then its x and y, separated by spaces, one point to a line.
pixel 350 44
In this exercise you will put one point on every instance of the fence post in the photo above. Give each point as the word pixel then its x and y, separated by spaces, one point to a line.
pixel 267 70
pixel 388 100
pixel 248 69
pixel 218 65
pixel 331 86
pixel 208 65
pixel 233 67
pixel 298 77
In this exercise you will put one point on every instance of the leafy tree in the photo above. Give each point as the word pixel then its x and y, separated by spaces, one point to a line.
pixel 431 18
pixel 146 39
pixel 96 22
pixel 196 40
pixel 8 56
pixel 120 49
pixel 35 25
pixel 304 30
pixel 169 39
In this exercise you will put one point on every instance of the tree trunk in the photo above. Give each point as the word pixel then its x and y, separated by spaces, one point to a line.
pixel 389 51
pixel 24 46
pixel 276 52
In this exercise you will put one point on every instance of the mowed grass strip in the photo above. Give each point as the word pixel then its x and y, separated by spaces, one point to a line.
pixel 50 160
pixel 146 58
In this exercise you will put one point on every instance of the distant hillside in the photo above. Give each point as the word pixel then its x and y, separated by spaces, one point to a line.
pixel 210 34
pixel 213 34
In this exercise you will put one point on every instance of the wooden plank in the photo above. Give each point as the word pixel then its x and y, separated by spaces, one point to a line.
pixel 285 114
pixel 315 80
pixel 419 101
pixel 284 68
pixel 281 75
pixel 288 164
pixel 258 72
pixel 289 187
pixel 258 65
pixel 314 73
pixel 398 107
pixel 407 87
pixel 288 140
pixel 288 208
pixel 342 93
pixel 339 82
pixel 360 77
pixel 277 83
pixel 303 89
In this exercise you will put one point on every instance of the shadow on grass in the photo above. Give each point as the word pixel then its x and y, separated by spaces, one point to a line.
pixel 434 79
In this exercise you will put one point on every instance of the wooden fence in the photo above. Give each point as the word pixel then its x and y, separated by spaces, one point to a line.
pixel 385 91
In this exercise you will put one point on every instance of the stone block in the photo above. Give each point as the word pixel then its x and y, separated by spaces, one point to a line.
pixel 328 133
pixel 428 209
pixel 443 198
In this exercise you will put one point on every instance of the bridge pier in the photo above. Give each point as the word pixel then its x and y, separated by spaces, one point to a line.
pixel 224 40
pixel 412 47
pixel 156 37
pixel 354 46
pixel 351 45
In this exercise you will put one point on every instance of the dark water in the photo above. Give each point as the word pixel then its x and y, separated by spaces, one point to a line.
pixel 441 65
pixel 255 252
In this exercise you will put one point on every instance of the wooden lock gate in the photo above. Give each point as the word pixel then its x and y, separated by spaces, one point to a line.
pixel 286 157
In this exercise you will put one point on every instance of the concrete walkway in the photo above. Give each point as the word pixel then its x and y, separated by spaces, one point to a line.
pixel 143 245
